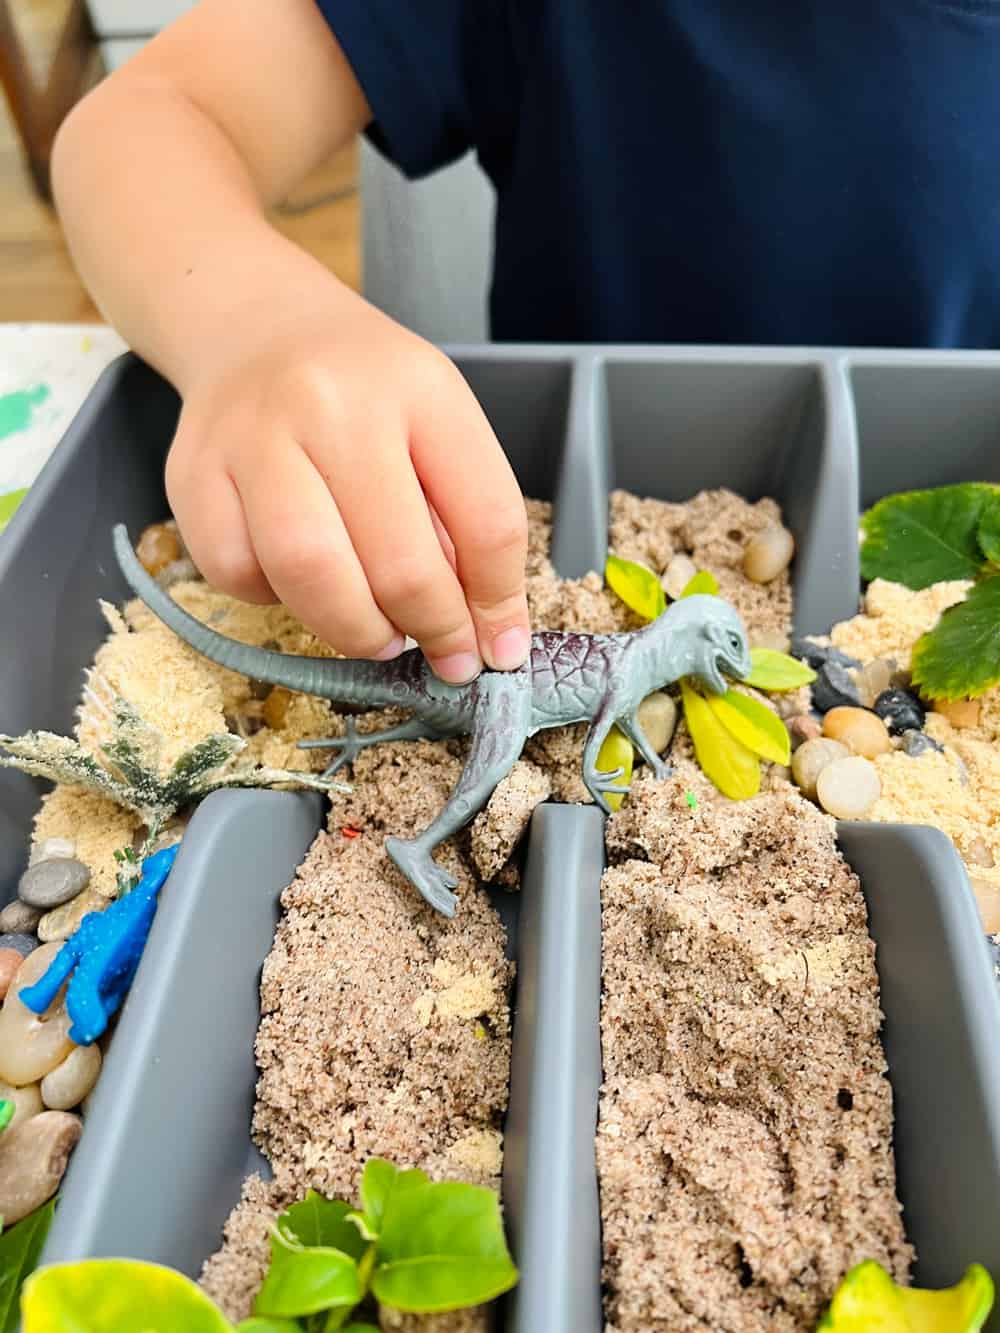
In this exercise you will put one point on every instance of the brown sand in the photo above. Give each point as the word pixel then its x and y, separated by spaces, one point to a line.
pixel 746 1120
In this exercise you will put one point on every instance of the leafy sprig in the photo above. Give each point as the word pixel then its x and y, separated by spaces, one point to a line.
pixel 414 1245
pixel 918 538
pixel 730 732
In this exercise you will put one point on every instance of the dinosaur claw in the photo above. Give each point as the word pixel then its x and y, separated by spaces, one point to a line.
pixel 431 882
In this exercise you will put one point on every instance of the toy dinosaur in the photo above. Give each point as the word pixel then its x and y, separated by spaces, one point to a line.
pixel 103 954
pixel 600 679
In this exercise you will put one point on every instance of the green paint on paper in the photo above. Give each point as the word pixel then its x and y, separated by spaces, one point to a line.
pixel 16 409
pixel 8 503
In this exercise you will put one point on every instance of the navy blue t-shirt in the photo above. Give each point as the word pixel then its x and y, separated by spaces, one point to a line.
pixel 710 171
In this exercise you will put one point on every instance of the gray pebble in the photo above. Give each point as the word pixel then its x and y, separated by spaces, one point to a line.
pixel 49 884
pixel 818 654
pixel 24 944
pixel 916 743
pixel 18 918
pixel 834 688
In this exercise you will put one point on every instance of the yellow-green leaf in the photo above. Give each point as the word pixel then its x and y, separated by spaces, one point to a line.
pixel 102 1294
pixel 616 752
pixel 869 1301
pixel 703 581
pixel 637 586
pixel 724 760
pixel 774 671
pixel 754 724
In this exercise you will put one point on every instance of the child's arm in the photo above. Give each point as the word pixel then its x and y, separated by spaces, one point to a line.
pixel 317 437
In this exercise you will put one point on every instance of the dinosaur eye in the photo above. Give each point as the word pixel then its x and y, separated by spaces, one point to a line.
pixel 734 642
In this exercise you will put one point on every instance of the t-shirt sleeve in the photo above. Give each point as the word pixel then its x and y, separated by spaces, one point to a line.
pixel 409 58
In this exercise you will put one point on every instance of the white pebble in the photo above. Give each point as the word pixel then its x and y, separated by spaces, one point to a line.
pixel 677 575
pixel 51 848
pixel 810 758
pixel 768 554
pixel 848 788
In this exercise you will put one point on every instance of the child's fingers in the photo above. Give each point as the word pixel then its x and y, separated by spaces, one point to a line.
pixel 392 531
pixel 469 482
pixel 304 547
pixel 211 520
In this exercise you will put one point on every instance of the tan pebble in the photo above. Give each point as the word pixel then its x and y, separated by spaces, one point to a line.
pixel 27 1101
pixel 863 732
pixel 988 902
pixel 18 918
pixel 66 1086
pixel 158 547
pixel 979 854
pixel 276 708
pixel 60 923
pixel 811 758
pixel 677 575
pixel 33 1158
pixel 10 961
pixel 775 639
pixel 802 727
pixel 848 788
pixel 960 713
pixel 872 680
pixel 32 1044
pixel 768 554
pixel 658 717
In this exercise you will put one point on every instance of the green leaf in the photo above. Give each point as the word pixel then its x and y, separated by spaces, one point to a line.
pixel 703 582
pixel 960 657
pixel 724 760
pixel 868 1301
pixel 616 752
pixel 318 1221
pixel 922 537
pixel 774 671
pixel 360 1328
pixel 989 533
pixel 752 723
pixel 19 1251
pixel 257 1324
pixel 104 1294
pixel 637 586
pixel 6 1114
pixel 442 1248
pixel 302 1280
pixel 9 504
pixel 380 1181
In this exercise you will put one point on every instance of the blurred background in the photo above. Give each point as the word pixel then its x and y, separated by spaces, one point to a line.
pixel 51 51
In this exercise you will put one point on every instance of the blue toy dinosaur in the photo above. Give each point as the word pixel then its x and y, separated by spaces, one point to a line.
pixel 103 954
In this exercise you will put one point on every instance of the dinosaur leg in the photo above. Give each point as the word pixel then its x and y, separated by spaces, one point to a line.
pixel 500 727
pixel 596 782
pixel 38 997
pixel 351 744
pixel 630 726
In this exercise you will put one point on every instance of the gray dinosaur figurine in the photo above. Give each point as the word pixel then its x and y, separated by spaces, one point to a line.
pixel 596 678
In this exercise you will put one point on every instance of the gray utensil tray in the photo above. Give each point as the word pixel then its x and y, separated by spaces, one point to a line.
pixel 824 431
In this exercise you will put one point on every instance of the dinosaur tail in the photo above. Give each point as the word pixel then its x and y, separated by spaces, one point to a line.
pixel 346 681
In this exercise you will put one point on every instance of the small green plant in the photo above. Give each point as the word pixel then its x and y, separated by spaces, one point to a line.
pixel 20 1248
pixel 730 732
pixel 127 771
pixel 869 1301
pixel 919 538
pixel 417 1246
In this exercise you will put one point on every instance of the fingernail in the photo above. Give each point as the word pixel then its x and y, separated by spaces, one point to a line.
pixel 511 648
pixel 458 669
pixel 391 649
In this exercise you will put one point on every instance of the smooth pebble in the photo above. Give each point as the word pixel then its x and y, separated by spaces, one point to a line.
pixel 768 554
pixel 988 902
pixel 916 743
pixel 802 727
pixel 960 713
pixel 677 575
pixel 848 788
pixel 51 883
pixel 60 923
pixel 834 687
pixel 32 1044
pixel 10 961
pixel 66 1086
pixel 18 918
pixel 658 719
pixel 27 1101
pixel 873 680
pixel 158 547
pixel 811 758
pixel 33 1158
pixel 816 654
pixel 51 847
pixel 861 731
pixel 900 711
pixel 19 940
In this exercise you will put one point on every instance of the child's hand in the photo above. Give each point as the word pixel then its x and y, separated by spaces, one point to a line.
pixel 341 465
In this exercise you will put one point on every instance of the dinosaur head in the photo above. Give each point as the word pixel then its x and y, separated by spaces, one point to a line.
pixel 720 647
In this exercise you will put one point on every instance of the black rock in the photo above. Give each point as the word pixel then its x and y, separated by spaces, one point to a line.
pixel 916 743
pixel 818 655
pixel 900 711
pixel 834 688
